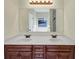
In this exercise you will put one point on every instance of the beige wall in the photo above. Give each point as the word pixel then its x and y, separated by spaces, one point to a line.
pixel 23 20
pixel 69 18
pixel 60 21
pixel 11 17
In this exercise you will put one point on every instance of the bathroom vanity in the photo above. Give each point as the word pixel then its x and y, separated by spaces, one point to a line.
pixel 39 47
pixel 39 51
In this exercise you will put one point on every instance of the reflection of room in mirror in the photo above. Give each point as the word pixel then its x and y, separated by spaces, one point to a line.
pixel 52 20
pixel 42 20
pixel 39 20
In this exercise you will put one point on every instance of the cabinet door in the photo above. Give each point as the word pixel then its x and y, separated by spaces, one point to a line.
pixel 26 55
pixel 65 55
pixel 13 55
pixel 18 52
pixel 59 55
pixel 51 55
pixel 18 55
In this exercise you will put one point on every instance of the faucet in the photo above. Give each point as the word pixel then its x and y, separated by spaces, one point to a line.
pixel 27 36
pixel 54 36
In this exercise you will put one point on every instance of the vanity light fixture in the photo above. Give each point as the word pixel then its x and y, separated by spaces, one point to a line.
pixel 41 2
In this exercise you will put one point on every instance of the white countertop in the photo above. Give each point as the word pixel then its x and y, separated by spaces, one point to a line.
pixel 39 40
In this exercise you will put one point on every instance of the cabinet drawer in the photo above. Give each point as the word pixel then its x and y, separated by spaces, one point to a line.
pixel 59 48
pixel 39 50
pixel 38 46
pixel 18 48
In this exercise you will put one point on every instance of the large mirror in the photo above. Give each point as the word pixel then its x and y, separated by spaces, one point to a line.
pixel 42 20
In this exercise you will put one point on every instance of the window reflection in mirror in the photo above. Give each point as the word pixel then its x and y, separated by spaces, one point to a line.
pixel 42 20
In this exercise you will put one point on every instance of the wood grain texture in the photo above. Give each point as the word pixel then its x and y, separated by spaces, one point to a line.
pixel 39 51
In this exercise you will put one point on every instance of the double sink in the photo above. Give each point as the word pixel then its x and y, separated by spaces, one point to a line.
pixel 40 40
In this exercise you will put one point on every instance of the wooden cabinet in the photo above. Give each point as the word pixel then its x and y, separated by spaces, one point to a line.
pixel 59 55
pixel 18 52
pixel 60 52
pixel 51 55
pixel 39 51
pixel 18 55
pixel 26 55
pixel 65 55
pixel 12 55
